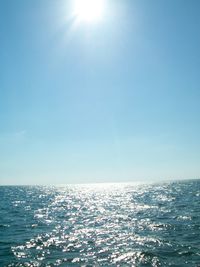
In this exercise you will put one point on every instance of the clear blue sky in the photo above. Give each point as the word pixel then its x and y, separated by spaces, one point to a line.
pixel 115 100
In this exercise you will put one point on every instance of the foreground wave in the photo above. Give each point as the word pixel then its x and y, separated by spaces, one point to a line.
pixel 101 225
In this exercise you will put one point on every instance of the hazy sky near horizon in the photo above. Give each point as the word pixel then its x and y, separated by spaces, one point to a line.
pixel 105 101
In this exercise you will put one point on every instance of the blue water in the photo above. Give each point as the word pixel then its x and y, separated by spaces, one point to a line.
pixel 101 225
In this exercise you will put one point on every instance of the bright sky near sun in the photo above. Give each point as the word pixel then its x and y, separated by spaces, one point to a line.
pixel 99 90
pixel 89 10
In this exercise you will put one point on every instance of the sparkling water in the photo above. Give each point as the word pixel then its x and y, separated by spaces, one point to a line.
pixel 101 225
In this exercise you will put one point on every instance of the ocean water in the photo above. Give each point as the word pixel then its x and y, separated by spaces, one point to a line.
pixel 101 225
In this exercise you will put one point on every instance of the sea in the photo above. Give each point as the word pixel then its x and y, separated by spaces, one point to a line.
pixel 142 225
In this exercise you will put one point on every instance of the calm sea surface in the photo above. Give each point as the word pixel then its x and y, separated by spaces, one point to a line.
pixel 101 225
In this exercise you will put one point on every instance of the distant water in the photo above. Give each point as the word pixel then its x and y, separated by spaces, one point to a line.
pixel 101 225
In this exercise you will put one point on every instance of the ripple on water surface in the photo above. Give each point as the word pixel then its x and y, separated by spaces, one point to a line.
pixel 101 225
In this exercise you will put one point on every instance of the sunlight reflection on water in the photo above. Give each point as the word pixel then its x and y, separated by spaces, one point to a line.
pixel 102 225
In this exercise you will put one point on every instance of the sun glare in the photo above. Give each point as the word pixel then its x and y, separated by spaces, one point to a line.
pixel 89 10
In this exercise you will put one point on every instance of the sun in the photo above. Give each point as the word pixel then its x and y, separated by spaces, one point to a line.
pixel 89 10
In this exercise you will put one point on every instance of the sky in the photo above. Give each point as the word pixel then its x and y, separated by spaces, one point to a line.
pixel 111 100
